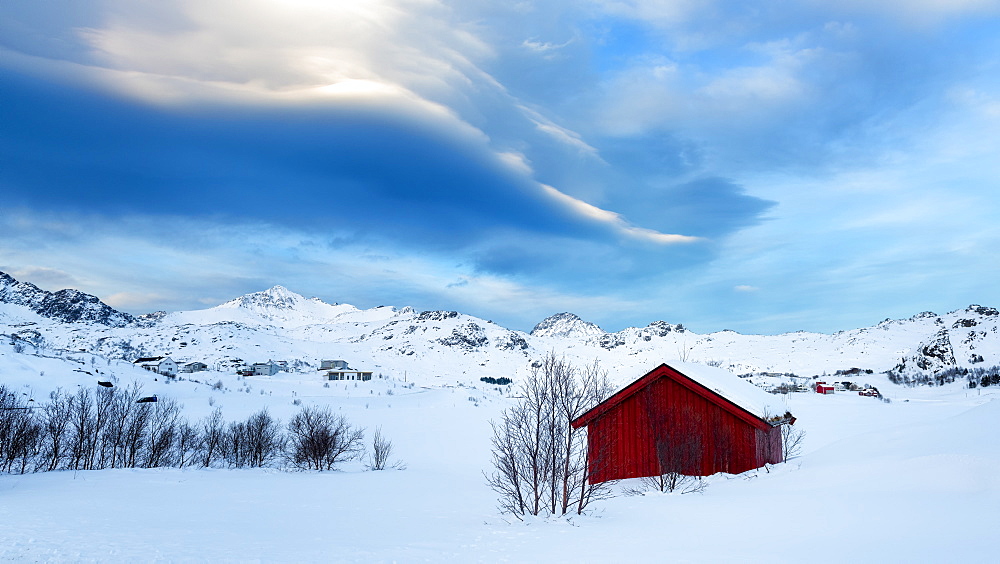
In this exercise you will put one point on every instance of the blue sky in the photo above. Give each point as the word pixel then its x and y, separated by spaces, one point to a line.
pixel 757 166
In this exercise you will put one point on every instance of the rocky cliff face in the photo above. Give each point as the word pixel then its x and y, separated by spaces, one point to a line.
pixel 935 355
pixel 962 339
pixel 65 305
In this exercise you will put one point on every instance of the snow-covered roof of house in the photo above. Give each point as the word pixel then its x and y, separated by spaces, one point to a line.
pixel 148 359
pixel 733 388
pixel 718 385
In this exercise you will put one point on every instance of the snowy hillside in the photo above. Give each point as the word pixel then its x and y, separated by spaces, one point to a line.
pixel 278 324
pixel 872 475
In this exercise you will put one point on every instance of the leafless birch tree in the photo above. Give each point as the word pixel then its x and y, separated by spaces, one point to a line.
pixel 56 416
pixel 540 462
pixel 82 436
pixel 212 438
pixel 791 441
pixel 21 435
pixel 163 430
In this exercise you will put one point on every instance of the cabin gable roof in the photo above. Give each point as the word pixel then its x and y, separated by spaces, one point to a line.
pixel 751 415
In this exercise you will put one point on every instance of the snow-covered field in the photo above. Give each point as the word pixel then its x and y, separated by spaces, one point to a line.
pixel 911 480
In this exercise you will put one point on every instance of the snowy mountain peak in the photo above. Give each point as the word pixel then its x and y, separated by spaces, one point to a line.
pixel 566 325
pixel 983 310
pixel 276 297
pixel 277 306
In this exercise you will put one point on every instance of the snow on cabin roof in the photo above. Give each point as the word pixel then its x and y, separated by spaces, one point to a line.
pixel 148 359
pixel 756 404
pixel 733 388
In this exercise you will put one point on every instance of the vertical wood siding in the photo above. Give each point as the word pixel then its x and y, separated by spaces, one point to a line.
pixel 665 426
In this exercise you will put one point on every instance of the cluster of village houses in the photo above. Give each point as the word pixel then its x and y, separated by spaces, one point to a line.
pixel 339 370
pixel 866 390
pixel 333 369
pixel 789 383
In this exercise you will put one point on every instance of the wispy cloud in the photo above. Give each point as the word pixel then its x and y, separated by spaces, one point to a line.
pixel 612 157
pixel 616 221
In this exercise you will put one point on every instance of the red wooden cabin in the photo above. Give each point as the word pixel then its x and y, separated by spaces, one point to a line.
pixel 824 388
pixel 697 422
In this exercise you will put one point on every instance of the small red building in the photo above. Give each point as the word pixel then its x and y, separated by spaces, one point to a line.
pixel 824 388
pixel 691 419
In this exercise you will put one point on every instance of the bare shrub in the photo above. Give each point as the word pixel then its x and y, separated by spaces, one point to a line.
pixel 23 444
pixel 264 438
pixel 131 422
pixel 56 418
pixel 679 448
pixel 791 441
pixel 163 433
pixel 113 420
pixel 21 433
pixel 211 440
pixel 186 447
pixel 234 447
pixel 253 443
pixel 82 435
pixel 318 439
pixel 669 483
pixel 382 449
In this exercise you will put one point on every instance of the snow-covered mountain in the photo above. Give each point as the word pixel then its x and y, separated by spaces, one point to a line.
pixel 277 307
pixel 566 325
pixel 279 324
pixel 65 305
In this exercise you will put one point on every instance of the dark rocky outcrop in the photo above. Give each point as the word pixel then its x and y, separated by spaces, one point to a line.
pixel 436 315
pixel 68 306
pixel 469 336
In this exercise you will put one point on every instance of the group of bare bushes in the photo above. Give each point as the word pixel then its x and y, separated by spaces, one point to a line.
pixel 112 428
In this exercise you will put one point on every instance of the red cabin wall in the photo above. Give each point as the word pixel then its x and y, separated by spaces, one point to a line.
pixel 667 426
pixel 770 451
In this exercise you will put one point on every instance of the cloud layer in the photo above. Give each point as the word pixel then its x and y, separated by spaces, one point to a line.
pixel 752 166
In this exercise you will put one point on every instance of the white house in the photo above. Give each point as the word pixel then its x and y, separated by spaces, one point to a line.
pixel 158 364
pixel 357 375
pixel 265 368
